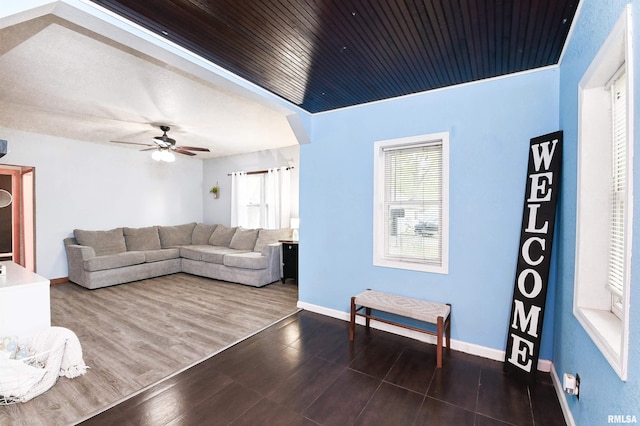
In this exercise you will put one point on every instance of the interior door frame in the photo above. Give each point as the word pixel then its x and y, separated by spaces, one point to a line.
pixel 23 214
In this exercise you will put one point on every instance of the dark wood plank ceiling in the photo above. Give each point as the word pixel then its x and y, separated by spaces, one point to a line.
pixel 328 54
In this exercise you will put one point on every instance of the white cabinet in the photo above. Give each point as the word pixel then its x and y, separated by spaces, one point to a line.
pixel 25 305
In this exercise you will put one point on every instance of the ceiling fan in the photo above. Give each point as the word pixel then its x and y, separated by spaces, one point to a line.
pixel 165 146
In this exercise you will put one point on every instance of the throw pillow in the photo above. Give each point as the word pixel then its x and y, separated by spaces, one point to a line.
pixel 103 242
pixel 244 239
pixel 270 236
pixel 179 235
pixel 142 239
pixel 202 233
pixel 222 236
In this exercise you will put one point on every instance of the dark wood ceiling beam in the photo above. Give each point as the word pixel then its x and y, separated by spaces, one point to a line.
pixel 327 54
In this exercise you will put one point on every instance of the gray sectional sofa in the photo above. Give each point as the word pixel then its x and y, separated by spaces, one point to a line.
pixel 246 256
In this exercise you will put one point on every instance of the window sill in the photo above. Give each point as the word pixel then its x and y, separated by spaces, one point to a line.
pixel 605 329
pixel 411 266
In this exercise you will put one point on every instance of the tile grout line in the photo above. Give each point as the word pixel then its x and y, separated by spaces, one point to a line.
pixel 479 386
pixel 378 388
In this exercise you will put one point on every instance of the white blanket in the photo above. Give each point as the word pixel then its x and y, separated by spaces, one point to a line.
pixel 72 365
pixel 17 378
pixel 59 350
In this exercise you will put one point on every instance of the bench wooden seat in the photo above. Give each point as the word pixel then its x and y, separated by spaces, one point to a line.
pixel 422 310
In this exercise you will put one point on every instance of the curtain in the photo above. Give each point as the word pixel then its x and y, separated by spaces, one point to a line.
pixel 278 198
pixel 238 199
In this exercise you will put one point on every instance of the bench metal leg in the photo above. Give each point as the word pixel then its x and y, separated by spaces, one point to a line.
pixel 439 348
pixel 368 318
pixel 352 325
pixel 448 328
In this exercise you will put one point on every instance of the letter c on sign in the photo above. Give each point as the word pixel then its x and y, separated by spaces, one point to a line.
pixel 525 250
pixel 537 283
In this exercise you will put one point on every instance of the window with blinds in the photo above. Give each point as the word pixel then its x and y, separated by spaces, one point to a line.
pixel 604 196
pixel 410 218
pixel 617 244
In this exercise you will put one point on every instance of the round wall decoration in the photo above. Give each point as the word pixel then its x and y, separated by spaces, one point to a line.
pixel 5 198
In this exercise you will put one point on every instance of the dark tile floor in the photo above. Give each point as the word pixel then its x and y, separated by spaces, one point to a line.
pixel 304 371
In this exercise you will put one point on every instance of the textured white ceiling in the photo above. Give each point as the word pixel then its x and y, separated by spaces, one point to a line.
pixel 61 79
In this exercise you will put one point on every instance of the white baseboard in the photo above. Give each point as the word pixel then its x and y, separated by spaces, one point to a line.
pixel 562 397
pixel 458 345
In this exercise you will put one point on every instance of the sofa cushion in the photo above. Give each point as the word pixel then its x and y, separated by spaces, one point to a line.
pixel 179 235
pixel 193 252
pixel 103 242
pixel 201 233
pixel 140 239
pixel 222 236
pixel 244 239
pixel 270 236
pixel 112 261
pixel 210 254
pixel 162 254
pixel 250 260
pixel 218 255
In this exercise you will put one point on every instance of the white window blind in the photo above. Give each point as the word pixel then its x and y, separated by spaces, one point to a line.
pixel 413 177
pixel 617 251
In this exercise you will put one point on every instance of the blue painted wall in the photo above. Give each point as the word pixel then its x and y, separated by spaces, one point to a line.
pixel 602 392
pixel 490 126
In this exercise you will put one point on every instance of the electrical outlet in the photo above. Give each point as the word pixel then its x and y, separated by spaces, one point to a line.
pixel 577 386
pixel 571 384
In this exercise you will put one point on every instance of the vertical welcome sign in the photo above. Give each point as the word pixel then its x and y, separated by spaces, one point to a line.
pixel 534 256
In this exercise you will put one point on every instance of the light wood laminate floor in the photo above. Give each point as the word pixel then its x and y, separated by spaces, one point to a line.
pixel 136 334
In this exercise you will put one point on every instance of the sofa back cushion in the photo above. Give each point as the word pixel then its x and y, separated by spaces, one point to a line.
pixel 102 242
pixel 173 236
pixel 270 236
pixel 244 239
pixel 222 236
pixel 142 239
pixel 201 234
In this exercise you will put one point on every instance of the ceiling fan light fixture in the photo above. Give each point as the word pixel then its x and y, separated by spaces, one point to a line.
pixel 163 155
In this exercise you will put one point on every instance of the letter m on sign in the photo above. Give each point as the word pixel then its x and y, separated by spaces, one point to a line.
pixel 524 331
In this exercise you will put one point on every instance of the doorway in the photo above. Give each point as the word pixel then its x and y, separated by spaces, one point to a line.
pixel 17 217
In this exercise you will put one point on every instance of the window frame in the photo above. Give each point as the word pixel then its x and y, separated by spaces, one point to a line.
pixel 593 301
pixel 379 257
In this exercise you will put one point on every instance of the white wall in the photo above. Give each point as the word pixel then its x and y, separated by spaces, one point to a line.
pixel 97 186
pixel 218 169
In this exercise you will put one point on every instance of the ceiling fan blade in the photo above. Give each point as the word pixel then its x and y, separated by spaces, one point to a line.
pixel 182 151
pixel 153 148
pixel 193 148
pixel 132 143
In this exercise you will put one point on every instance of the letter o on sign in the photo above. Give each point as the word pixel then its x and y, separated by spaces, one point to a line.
pixel 537 283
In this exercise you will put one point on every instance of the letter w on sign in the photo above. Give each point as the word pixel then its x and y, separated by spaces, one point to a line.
pixel 534 257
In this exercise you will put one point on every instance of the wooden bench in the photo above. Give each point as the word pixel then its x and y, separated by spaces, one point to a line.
pixel 422 310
